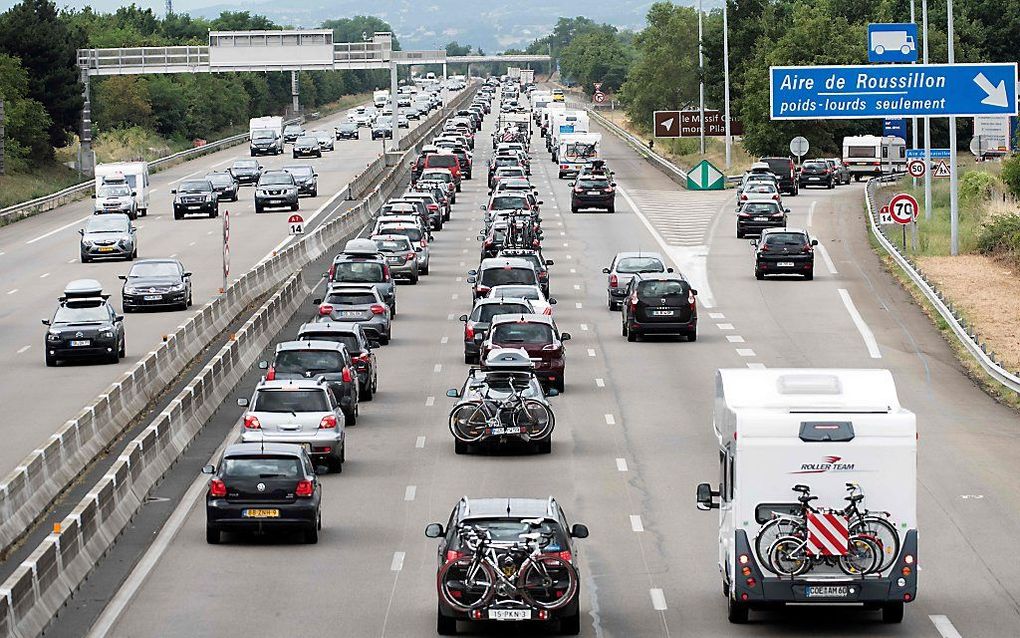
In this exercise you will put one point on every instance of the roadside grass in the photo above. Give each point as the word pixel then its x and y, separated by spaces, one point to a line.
pixel 35 182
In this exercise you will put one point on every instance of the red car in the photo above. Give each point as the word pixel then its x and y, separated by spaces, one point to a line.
pixel 538 336
pixel 445 160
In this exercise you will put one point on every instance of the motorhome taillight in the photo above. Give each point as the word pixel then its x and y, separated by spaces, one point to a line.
pixel 744 559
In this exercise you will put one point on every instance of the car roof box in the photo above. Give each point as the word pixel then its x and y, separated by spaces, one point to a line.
pixel 83 289
pixel 361 246
pixel 509 360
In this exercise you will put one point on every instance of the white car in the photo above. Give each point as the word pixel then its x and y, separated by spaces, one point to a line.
pixel 534 294
pixel 759 191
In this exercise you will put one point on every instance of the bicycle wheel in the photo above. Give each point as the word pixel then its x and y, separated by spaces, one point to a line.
pixel 467 421
pixel 788 557
pixel 768 534
pixel 466 586
pixel 863 555
pixel 882 532
pixel 547 582
pixel 534 417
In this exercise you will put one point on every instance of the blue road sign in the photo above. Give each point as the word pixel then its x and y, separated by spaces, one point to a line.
pixel 895 128
pixel 892 42
pixel 854 92
pixel 936 153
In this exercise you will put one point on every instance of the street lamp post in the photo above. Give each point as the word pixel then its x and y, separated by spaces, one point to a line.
pixel 954 204
pixel 726 82
pixel 927 123
pixel 701 77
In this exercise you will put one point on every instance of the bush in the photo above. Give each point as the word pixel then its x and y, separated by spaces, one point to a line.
pixel 977 185
pixel 1001 237
pixel 1011 174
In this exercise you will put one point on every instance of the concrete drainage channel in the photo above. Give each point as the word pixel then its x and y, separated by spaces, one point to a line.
pixel 43 583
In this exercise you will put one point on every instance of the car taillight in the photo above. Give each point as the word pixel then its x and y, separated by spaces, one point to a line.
pixel 469 331
pixel 409 256
pixel 325 310
pixel 564 166
pixel 251 422
pixel 378 309
pixel 386 272
pixel 217 488
pixel 614 281
pixel 488 242
pixel 271 374
pixel 633 302
pixel 743 215
pixel 690 299
pixel 346 376
pixel 808 248
pixel 432 207
pixel 764 248
pixel 566 556
pixel 743 197
pixel 332 270
pixel 328 422
pixel 304 489
pixel 609 189
pixel 452 554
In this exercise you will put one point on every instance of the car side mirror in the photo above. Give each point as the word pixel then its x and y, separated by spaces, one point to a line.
pixel 434 530
pixel 453 393
pixel 753 242
pixel 669 270
pixel 540 202
pixel 463 318
pixel 786 210
pixel 570 183
pixel 373 344
pixel 552 392
pixel 552 301
pixel 472 272
pixel 122 277
pixel 118 318
pixel 263 365
pixel 316 302
pixel 482 207
pixel 93 197
pixel 242 402
pixel 548 262
pixel 706 497
pixel 81 231
pixel 694 292
pixel 471 280
pixel 173 191
pixel 187 274
pixel 134 193
pixel 45 322
pixel 814 242
pixel 565 336
pixel 579 531
pixel 605 270
pixel 613 184
pixel 209 469
pixel 321 469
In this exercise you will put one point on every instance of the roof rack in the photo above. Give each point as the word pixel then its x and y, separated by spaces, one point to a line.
pixel 83 289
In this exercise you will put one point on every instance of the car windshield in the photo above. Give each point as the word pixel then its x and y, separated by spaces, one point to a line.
pixel 309 360
pixel 761 208
pixel 485 312
pixel 348 126
pixel 293 128
pixel 670 288
pixel 393 245
pixel 219 179
pixel 262 134
pixel 114 190
pixel 509 530
pixel 359 271
pixel 411 233
pixel 348 339
pixel 82 314
pixel 521 292
pixel 261 467
pixel 507 275
pixel 195 187
pixel 630 265
pixel 107 224
pixel 291 401
pixel 276 178
pixel 246 165
pixel 785 239
pixel 351 299
pixel 508 202
pixel 442 160
pixel 307 141
pixel 522 332
pixel 155 269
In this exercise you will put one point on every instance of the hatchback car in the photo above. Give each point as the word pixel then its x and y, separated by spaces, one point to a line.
pixel 418 238
pixel 156 283
pixel 756 216
pixel 839 169
pixel 817 173
pixel 447 160
pixel 246 171
pixel 299 411
pixel 498 271
pixel 260 488
pixel 364 306
pixel 660 304
pixel 276 189
pixel 476 324
pixel 225 185
pixel 539 337
pixel 108 235
pixel 306 146
pixel 507 519
pixel 306 178
pixel 85 325
pixel 626 265
pixel 326 361
pixel 401 256
pixel 441 175
pixel 593 192
pixel 358 345
pixel 326 141
pixel 784 251
pixel 362 264
pixel 195 196
pixel 535 258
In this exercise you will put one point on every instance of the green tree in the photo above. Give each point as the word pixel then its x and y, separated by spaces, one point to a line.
pixel 33 32
pixel 596 56
pixel 169 104
pixel 25 119
pixel 122 100
pixel 242 21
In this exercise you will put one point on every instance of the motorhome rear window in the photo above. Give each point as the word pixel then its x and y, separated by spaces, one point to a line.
pixel 764 512
pixel 826 431
pixel 860 151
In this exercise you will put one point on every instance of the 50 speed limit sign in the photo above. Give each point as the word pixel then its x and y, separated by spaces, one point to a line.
pixel 916 168
pixel 903 208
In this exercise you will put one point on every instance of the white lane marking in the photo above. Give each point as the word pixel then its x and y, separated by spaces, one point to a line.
pixel 562 232
pixel 218 164
pixel 174 255
pixel 811 213
pixel 584 327
pixel 866 334
pixel 724 326
pixel 745 352
pixel 71 261
pixel 621 465
pixel 444 340
pixel 437 368
pixel 430 401
pixel 462 264
pixel 449 317
pixel 409 492
pixel 191 244
pixel 635 523
pixel 591 352
pixel 578 305
pixel 209 232
pixel 734 339
pixel 398 562
pixel 454 296
pixel 658 599
pixel 573 271
pixel 827 259
pixel 610 419
pixel 577 286
pixel 566 245
pixel 716 315
pixel 756 366
pixel 458 279
pixel 181 179
pixel 44 275
pixel 944 626
pixel 570 257
pixel 600 382
pixel 419 442
pixel 57 230
pixel 12 291
pixel 23 348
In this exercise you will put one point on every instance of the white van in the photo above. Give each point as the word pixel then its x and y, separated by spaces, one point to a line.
pixel 874 156
pixel 577 150
pixel 825 430
pixel 380 98
pixel 109 198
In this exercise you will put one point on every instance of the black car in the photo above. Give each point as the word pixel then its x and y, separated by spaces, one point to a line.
pixel 156 283
pixel 85 325
pixel 195 196
pixel 661 303
pixel 260 487
pixel 540 263
pixel 359 346
pixel 306 145
pixel 756 216
pixel 328 361
pixel 817 173
pixel 306 178
pixel 246 171
pixel 347 131
pixel 383 128
pixel 225 185
pixel 505 519
pixel 784 251
pixel 786 172
pixel 476 324
pixel 292 131
pixel 593 191
pixel 276 189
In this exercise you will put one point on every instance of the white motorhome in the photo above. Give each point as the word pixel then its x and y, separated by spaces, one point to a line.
pixel 527 76
pixel 539 100
pixel 547 112
pixel 567 121
pixel 825 429
pixel 380 98
pixel 874 156
pixel 265 135
pixel 577 150
pixel 109 197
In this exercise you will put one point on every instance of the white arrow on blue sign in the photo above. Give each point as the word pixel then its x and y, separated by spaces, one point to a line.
pixel 922 90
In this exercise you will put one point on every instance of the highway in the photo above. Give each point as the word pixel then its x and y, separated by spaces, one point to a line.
pixel 39 255
pixel 633 437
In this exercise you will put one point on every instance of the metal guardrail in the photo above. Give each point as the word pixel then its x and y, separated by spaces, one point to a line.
pixel 969 340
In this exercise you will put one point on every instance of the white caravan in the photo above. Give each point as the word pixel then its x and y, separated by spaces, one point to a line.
pixel 874 156
pixel 825 430
pixel 577 150
pixel 134 175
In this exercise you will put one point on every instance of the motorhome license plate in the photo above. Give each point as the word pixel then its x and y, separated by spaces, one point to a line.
pixel 506 430
pixel 785 264
pixel 509 614
pixel 826 591
pixel 80 343
pixel 260 513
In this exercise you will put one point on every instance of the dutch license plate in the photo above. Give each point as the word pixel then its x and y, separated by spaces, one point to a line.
pixel 260 513
pixel 84 342
pixel 509 614
pixel 826 591
pixel 785 264
pixel 662 313
pixel 761 219
pixel 152 297
pixel 506 430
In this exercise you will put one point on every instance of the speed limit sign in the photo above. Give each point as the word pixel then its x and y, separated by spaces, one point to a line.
pixel 916 168
pixel 903 208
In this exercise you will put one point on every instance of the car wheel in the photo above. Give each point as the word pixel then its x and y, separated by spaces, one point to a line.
pixel 295 155
pixel 692 335
pixel 315 192
pixel 425 270
pixel 114 357
pixel 892 612
pixel 560 383
pixel 85 258
pixel 740 233
pixel 385 340
pixel 178 215
pixel 445 625
pixel 50 360
pixel 189 301
pixel 311 536
pixel 258 209
pixel 414 279
pixel 574 209
pixel 570 625
pixel 212 535
pixel 350 416
pixel 294 207
pixel 809 276
pixel 215 212
pixel 469 358
pixel 366 394
pixel 460 447
pixel 544 447
pixel 632 335
pixel 123 348
pixel 234 198
pixel 611 210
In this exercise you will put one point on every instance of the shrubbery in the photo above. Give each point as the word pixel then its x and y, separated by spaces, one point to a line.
pixel 1001 237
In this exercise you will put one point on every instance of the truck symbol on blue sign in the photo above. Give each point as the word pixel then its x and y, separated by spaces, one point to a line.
pixel 892 42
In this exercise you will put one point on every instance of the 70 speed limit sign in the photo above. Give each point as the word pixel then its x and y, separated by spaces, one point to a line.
pixel 903 208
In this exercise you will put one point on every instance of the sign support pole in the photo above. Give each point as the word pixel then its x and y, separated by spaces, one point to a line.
pixel 726 82
pixel 395 141
pixel 954 204
pixel 701 78
pixel 927 122
pixel 913 120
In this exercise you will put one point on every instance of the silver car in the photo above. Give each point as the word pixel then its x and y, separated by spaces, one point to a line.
pixel 115 198
pixel 401 256
pixel 108 235
pixel 623 269
pixel 298 411
pixel 363 305
pixel 419 239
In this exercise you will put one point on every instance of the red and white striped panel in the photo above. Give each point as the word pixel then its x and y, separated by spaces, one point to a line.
pixel 828 534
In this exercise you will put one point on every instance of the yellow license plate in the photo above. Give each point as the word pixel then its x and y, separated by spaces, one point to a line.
pixel 106 249
pixel 261 513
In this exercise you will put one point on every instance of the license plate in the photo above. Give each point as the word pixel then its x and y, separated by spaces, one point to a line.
pixel 194 207
pixel 506 430
pixel 260 513
pixel 814 179
pixel 351 314
pixel 80 343
pixel 761 219
pixel 785 264
pixel 152 297
pixel 106 249
pixel 394 260
pixel 275 201
pixel 593 192
pixel 662 313
pixel 826 591
pixel 509 614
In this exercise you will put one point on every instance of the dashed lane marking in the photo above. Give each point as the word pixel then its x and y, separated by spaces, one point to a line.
pixel 635 523
pixel 658 599
pixel 600 382
pixel 831 267
pixel 437 368
pixel 724 326
pixel 734 338
pixel 419 442
pixel 444 340
pixel 23 349
pixel 591 352
pixel 610 419
pixel 409 492
pixel 862 327
pixel 745 352
pixel 716 315
pixel 578 305
pixel 584 327
pixel 430 401
pixel 44 275
pixel 12 291
pixel 57 230
pixel 621 465
pixel 944 626
pixel 398 562
pixel 755 365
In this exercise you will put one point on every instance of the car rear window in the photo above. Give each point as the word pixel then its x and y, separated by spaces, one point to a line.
pixel 630 265
pixel 301 361
pixel 592 183
pixel 485 312
pixel 785 239
pixel 764 208
pixel 670 288
pixel 359 271
pixel 816 165
pixel 522 332
pixel 392 245
pixel 346 338
pixel 351 298
pixel 261 467
pixel 507 202
pixel 291 401
pixel 510 530
pixel 503 275
pixel 413 234
pixel 444 161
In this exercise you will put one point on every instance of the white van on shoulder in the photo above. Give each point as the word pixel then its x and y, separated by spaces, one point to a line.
pixel 110 180
pixel 788 437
